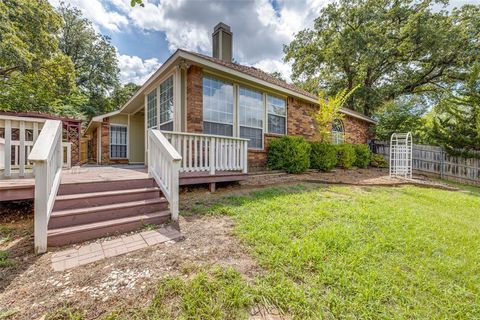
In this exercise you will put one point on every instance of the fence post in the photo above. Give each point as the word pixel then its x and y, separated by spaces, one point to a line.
pixel 442 163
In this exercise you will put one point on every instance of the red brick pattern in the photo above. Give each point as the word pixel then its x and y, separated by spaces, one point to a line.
pixel 195 100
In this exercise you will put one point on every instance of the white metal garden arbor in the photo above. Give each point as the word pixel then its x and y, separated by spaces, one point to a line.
pixel 401 147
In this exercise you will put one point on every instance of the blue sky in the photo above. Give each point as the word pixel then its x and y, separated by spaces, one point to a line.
pixel 146 36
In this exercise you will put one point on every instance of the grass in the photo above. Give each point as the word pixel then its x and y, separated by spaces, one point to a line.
pixel 344 252
pixel 339 252
pixel 5 261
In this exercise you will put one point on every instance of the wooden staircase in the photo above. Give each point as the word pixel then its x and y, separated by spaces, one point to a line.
pixel 89 210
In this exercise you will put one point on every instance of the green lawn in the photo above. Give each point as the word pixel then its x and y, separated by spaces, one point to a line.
pixel 340 252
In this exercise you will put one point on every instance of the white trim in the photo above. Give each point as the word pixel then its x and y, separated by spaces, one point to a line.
pixel 110 141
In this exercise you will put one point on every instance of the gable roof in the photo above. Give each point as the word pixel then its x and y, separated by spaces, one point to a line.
pixel 246 72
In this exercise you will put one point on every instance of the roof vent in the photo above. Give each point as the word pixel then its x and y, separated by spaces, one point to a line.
pixel 222 39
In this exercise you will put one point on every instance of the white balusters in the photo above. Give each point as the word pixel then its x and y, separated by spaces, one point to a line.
pixel 46 155
pixel 210 153
pixel 163 165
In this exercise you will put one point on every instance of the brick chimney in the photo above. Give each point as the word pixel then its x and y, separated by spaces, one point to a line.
pixel 222 39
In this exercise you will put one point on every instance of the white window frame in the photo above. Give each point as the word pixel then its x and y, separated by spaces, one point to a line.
pixel 267 113
pixel 263 115
pixel 156 109
pixel 110 140
pixel 234 102
pixel 173 102
pixel 338 137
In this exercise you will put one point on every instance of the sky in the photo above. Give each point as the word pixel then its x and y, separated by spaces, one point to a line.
pixel 146 36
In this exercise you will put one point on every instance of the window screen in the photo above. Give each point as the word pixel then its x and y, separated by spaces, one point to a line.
pixel 217 107
pixel 251 114
pixel 118 141
pixel 166 103
pixel 277 111
pixel 152 109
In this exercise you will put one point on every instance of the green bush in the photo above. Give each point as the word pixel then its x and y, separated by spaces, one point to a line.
pixel 289 153
pixel 323 156
pixel 378 161
pixel 346 155
pixel 363 155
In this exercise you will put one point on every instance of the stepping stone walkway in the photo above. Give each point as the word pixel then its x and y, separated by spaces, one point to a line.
pixel 88 253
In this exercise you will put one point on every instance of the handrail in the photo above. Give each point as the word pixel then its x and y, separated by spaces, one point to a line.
pixel 209 153
pixel 46 156
pixel 164 166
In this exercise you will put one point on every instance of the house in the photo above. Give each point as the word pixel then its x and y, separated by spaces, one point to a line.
pixel 198 94
pixel 197 119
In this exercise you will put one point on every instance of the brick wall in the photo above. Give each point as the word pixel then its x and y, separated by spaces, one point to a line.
pixel 194 99
pixel 105 152
pixel 299 120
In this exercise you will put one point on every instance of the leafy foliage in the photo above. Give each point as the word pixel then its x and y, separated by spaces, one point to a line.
pixel 378 161
pixel 346 155
pixel 329 110
pixel 323 156
pixel 94 58
pixel 457 118
pixel 289 153
pixel 390 47
pixel 34 74
pixel 362 155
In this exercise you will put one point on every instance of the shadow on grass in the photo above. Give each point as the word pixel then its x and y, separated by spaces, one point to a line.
pixel 16 240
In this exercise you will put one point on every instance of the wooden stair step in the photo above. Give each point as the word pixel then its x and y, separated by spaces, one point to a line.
pixel 88 231
pixel 79 216
pixel 101 186
pixel 99 198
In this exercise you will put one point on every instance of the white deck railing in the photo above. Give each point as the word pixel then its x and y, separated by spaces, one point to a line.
pixel 164 166
pixel 46 155
pixel 204 152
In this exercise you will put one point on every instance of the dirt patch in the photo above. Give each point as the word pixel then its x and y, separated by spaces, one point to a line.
pixel 127 281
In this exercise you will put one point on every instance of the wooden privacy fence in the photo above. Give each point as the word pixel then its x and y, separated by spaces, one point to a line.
pixel 434 160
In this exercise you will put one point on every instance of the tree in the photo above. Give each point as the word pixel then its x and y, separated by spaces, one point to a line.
pixel 457 121
pixel 94 58
pixel 330 110
pixel 34 73
pixel 403 115
pixel 390 47
pixel 121 95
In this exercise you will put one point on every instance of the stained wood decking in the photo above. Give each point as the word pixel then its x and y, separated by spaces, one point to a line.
pixel 19 189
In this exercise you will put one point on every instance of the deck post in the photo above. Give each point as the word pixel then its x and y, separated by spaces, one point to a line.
pixel 245 157
pixel 212 186
pixel 212 155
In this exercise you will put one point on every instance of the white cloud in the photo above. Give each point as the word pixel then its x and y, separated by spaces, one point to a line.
pixel 259 31
pixel 136 70
pixel 95 11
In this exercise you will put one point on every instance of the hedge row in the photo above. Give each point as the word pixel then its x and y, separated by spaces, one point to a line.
pixel 295 155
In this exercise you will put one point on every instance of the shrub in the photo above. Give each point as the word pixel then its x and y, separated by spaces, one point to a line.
pixel 323 156
pixel 346 155
pixel 289 153
pixel 378 161
pixel 363 155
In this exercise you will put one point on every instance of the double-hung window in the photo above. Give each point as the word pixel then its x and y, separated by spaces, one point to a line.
pixel 217 107
pixel 118 141
pixel 277 115
pixel 166 104
pixel 152 109
pixel 251 115
pixel 338 134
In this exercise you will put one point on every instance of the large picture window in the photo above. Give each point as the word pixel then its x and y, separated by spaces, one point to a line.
pixel 277 115
pixel 338 134
pixel 152 109
pixel 251 114
pixel 118 142
pixel 217 107
pixel 166 104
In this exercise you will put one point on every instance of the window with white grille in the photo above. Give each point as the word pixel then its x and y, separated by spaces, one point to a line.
pixel 277 115
pixel 338 134
pixel 251 116
pixel 217 107
pixel 118 142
